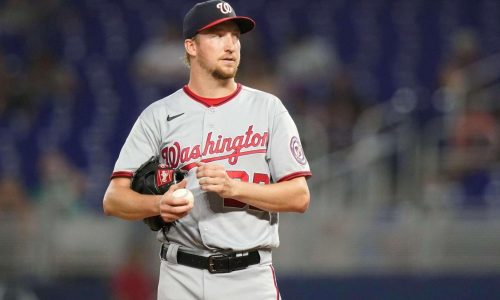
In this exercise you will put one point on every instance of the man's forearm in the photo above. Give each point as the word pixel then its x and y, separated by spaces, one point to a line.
pixel 122 202
pixel 286 196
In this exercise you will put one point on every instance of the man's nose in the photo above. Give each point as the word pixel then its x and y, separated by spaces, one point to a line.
pixel 229 42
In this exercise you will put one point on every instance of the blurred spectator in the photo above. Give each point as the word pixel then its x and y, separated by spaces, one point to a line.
pixel 49 77
pixel 16 225
pixel 17 16
pixel 473 155
pixel 160 61
pixel 308 62
pixel 471 131
pixel 5 82
pixel 14 200
pixel 61 185
pixel 25 91
pixel 311 120
pixel 463 50
pixel 13 91
pixel 476 127
pixel 257 70
pixel 23 17
pixel 344 108
pixel 132 281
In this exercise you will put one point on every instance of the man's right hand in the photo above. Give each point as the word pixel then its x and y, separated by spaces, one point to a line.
pixel 172 209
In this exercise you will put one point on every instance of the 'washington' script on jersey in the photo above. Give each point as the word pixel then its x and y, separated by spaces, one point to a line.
pixel 231 147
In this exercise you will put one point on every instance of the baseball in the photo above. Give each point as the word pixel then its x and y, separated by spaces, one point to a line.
pixel 184 193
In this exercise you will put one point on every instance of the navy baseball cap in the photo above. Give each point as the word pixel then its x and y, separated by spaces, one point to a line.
pixel 210 13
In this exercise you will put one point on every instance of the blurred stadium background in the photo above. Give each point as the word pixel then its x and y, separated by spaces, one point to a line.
pixel 398 107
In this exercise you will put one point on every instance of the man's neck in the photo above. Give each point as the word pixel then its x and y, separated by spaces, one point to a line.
pixel 210 87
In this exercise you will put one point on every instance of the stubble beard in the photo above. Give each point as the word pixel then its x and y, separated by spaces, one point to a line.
pixel 221 75
pixel 218 72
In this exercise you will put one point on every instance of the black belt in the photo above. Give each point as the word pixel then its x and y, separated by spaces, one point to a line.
pixel 217 263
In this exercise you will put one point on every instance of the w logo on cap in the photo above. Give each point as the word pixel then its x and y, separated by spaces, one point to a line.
pixel 224 7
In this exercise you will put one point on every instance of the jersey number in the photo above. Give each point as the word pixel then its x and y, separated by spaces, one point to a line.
pixel 243 176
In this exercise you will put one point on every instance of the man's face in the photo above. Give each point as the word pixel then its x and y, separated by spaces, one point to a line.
pixel 218 50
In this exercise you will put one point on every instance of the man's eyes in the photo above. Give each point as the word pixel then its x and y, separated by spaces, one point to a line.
pixel 221 34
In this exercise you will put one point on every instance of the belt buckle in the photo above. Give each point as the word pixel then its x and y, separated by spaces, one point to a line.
pixel 211 263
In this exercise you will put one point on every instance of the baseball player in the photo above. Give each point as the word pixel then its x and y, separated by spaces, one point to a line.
pixel 244 163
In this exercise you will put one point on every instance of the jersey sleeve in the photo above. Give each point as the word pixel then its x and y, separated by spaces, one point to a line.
pixel 142 142
pixel 287 159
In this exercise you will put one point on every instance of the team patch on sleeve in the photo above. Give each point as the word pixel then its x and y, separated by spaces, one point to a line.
pixel 297 151
pixel 164 175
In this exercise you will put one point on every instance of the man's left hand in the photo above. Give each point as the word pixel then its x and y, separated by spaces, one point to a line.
pixel 213 177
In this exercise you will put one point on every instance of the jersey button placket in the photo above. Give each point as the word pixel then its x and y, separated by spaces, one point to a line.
pixel 210 123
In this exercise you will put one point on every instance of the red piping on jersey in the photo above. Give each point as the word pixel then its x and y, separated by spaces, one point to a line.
pixel 208 102
pixel 126 174
pixel 306 174
pixel 189 166
pixel 275 283
pixel 211 159
pixel 242 153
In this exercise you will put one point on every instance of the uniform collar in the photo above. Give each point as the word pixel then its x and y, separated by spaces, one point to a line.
pixel 208 102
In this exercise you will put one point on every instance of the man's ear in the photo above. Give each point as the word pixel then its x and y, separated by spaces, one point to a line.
pixel 190 46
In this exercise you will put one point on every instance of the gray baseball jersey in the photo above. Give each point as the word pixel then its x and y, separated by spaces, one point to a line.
pixel 249 132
